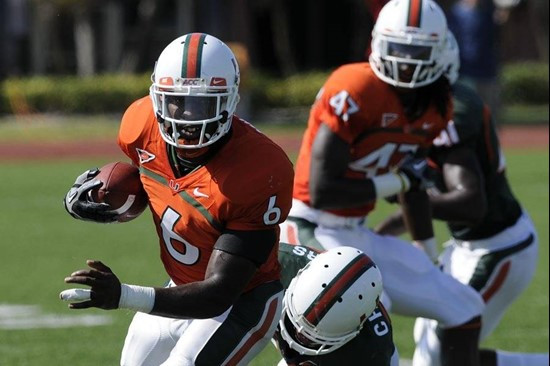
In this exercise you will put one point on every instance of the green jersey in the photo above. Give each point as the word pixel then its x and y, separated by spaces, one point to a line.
pixel 372 346
pixel 473 127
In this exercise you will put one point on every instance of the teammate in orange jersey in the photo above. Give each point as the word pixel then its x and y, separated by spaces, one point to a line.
pixel 366 139
pixel 218 189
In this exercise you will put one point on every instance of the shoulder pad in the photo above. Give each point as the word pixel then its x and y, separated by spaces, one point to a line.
pixel 134 121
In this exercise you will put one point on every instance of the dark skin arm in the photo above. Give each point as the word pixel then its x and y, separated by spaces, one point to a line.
pixel 465 202
pixel 225 279
pixel 417 214
pixel 328 186
pixel 393 225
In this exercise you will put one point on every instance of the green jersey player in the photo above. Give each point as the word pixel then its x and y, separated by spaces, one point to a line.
pixel 493 246
pixel 331 313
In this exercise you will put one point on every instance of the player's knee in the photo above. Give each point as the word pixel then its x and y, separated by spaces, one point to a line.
pixel 145 343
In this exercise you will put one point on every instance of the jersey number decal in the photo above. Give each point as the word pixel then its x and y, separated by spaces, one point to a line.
pixel 273 214
pixel 380 158
pixel 343 105
pixel 448 136
pixel 190 253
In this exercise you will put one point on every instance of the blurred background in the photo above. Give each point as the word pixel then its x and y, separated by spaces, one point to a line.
pixel 286 48
pixel 69 69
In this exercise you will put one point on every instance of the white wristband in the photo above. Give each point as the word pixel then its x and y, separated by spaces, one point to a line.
pixel 429 246
pixel 137 298
pixel 389 184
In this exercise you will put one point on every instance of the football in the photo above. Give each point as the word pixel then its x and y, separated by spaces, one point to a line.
pixel 121 189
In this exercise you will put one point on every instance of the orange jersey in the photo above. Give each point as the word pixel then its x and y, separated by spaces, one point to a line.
pixel 367 114
pixel 247 185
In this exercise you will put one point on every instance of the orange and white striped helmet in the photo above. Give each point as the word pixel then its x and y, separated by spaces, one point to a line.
pixel 408 42
pixel 195 90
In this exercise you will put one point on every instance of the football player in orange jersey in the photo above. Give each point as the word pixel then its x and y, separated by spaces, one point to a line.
pixel 218 189
pixel 367 135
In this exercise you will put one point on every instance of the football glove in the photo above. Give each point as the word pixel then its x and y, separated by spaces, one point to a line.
pixel 79 204
pixel 416 169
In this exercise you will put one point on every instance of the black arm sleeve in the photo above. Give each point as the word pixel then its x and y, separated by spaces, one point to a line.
pixel 253 245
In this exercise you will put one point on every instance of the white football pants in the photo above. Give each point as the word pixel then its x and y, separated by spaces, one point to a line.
pixel 500 268
pixel 232 338
pixel 415 286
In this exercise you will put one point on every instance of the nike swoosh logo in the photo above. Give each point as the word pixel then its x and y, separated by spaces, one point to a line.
pixel 420 165
pixel 71 196
pixel 198 193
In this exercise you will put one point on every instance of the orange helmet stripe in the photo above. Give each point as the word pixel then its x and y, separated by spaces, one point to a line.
pixel 192 55
pixel 415 13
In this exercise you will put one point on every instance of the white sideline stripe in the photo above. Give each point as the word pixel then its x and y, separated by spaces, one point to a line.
pixel 16 316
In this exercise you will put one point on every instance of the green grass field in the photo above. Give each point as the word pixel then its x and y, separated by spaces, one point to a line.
pixel 40 245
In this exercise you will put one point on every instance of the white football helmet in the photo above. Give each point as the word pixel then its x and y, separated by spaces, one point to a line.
pixel 328 301
pixel 451 58
pixel 408 40
pixel 195 90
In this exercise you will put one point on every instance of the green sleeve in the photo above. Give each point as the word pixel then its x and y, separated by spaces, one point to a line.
pixel 293 258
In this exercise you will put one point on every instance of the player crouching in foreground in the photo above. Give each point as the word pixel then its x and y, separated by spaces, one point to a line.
pixel 331 313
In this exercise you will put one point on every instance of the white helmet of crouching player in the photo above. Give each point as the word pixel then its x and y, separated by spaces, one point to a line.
pixel 328 301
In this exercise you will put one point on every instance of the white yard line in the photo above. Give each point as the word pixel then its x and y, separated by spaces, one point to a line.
pixel 16 316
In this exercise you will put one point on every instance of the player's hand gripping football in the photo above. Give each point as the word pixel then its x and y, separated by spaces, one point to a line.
pixel 416 169
pixel 104 292
pixel 79 204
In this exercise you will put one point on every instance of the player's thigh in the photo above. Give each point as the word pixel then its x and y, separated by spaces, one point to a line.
pixel 235 337
pixel 150 339
pixel 356 237
pixel 417 287
pixel 500 277
pixel 520 274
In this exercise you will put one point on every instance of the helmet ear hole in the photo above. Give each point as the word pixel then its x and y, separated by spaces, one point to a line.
pixel 225 117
